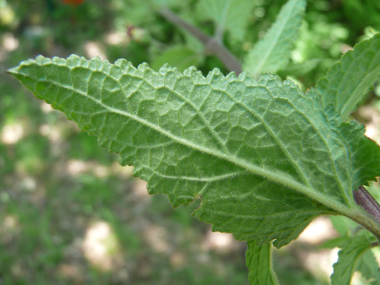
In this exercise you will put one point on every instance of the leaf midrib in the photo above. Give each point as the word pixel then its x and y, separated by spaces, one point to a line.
pixel 355 95
pixel 282 180
pixel 267 216
pixel 258 67
pixel 221 25
pixel 204 179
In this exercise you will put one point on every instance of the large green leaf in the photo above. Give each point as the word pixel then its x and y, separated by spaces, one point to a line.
pixel 349 255
pixel 264 158
pixel 349 80
pixel 272 52
pixel 259 264
pixel 230 15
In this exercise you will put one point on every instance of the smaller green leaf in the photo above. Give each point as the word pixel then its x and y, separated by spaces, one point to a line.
pixel 259 264
pixel 272 52
pixel 346 83
pixel 297 69
pixel 336 242
pixel 228 15
pixel 349 255
pixel 343 225
pixel 368 267
pixel 180 56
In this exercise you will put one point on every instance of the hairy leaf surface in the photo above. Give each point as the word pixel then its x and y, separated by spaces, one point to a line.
pixel 259 264
pixel 272 52
pixel 349 80
pixel 264 158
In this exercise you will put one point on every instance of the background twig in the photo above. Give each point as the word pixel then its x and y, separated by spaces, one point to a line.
pixel 219 50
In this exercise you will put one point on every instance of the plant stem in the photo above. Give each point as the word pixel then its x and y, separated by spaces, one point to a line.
pixel 212 44
pixel 370 219
pixel 365 200
pixel 367 222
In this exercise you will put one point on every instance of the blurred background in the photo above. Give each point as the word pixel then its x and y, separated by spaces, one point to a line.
pixel 69 214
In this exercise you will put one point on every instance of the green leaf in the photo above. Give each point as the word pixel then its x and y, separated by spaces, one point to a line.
pixel 180 57
pixel 272 52
pixel 259 264
pixel 348 258
pixel 299 69
pixel 264 158
pixel 346 83
pixel 336 242
pixel 230 15
pixel 368 267
pixel 343 225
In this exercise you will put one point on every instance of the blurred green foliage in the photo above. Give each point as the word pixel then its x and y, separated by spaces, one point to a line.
pixel 56 182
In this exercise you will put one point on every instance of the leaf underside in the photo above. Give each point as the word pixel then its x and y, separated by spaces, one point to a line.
pixel 264 158
pixel 346 83
pixel 272 52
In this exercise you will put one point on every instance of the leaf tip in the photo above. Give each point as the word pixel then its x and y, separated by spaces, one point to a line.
pixel 13 70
